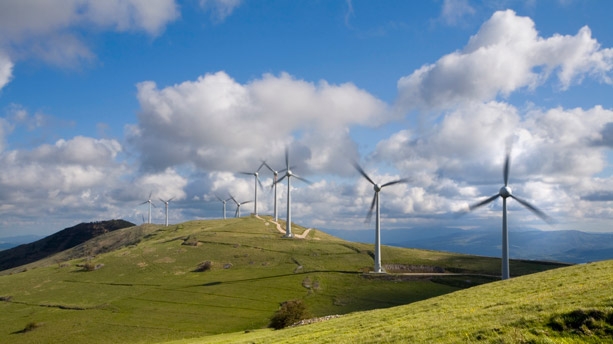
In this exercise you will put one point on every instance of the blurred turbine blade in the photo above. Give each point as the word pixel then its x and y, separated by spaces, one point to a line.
pixel 151 193
pixel 482 203
pixel 534 209
pixel 246 202
pixel 170 199
pixel 507 162
pixel 219 198
pixel 300 178
pixel 247 173
pixel 161 200
pixel 359 168
pixel 261 165
pixel 259 182
pixel 234 199
pixel 403 180
pixel 287 157
pixel 268 167
pixel 280 179
pixel 372 206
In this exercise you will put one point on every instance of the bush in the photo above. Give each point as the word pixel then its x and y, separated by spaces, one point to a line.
pixel 204 266
pixel 288 314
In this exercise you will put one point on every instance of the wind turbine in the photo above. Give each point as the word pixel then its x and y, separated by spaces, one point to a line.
pixel 289 174
pixel 274 184
pixel 256 182
pixel 375 202
pixel 224 205
pixel 150 204
pixel 238 206
pixel 166 203
pixel 505 192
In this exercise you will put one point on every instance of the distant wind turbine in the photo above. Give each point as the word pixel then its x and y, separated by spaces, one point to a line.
pixel 274 184
pixel 506 192
pixel 166 203
pixel 224 205
pixel 289 174
pixel 375 203
pixel 238 206
pixel 150 204
pixel 256 182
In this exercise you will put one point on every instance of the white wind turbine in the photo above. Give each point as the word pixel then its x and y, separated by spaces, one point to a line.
pixel 256 182
pixel 274 184
pixel 238 206
pixel 150 204
pixel 375 203
pixel 224 205
pixel 505 192
pixel 289 174
pixel 166 204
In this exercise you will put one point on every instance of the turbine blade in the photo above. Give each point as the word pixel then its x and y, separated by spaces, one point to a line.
pixel 161 200
pixel 246 202
pixel 507 162
pixel 372 206
pixel 280 179
pixel 534 209
pixel 153 204
pixel 403 180
pixel 247 173
pixel 145 202
pixel 151 193
pixel 170 199
pixel 236 212
pixel 300 178
pixel 268 167
pixel 484 202
pixel 234 199
pixel 287 157
pixel 359 168
pixel 259 168
pixel 219 198
pixel 259 182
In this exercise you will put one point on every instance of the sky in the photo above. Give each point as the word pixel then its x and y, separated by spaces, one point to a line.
pixel 103 103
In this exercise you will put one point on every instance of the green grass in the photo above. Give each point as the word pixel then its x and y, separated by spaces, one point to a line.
pixel 568 305
pixel 146 290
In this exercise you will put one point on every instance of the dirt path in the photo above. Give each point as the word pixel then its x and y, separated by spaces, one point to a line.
pixel 282 231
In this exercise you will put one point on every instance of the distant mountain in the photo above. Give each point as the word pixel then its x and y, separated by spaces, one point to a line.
pixel 10 242
pixel 564 246
pixel 60 241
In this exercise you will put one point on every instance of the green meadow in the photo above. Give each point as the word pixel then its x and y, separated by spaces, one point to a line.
pixel 142 285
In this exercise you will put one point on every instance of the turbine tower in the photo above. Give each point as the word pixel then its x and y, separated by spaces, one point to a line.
pixel 289 174
pixel 224 205
pixel 274 185
pixel 150 204
pixel 238 206
pixel 375 203
pixel 166 203
pixel 505 192
pixel 256 182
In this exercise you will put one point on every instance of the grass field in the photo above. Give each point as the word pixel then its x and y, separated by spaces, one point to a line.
pixel 145 290
pixel 568 305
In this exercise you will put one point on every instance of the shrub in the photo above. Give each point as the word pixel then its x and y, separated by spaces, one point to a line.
pixel 204 266
pixel 288 314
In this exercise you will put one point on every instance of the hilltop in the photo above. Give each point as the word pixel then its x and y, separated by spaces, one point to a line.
pixel 58 242
pixel 147 283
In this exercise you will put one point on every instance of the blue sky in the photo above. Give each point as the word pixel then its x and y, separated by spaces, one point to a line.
pixel 105 102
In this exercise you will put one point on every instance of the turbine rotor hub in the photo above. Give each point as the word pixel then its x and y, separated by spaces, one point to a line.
pixel 505 191
pixel 377 187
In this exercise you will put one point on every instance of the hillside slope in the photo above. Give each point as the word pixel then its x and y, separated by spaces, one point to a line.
pixel 140 284
pixel 567 305
pixel 57 242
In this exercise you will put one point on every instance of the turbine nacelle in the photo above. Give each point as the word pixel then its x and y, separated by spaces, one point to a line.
pixel 377 187
pixel 505 192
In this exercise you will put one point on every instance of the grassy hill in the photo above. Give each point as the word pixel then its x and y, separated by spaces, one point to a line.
pixel 139 285
pixel 60 241
pixel 567 305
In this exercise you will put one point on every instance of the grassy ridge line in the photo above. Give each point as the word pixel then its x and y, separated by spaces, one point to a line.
pixel 147 291
pixel 512 311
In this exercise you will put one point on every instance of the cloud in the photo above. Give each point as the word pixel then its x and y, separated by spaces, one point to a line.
pixel 217 124
pixel 47 31
pixel 6 70
pixel 453 11
pixel 506 54
pixel 220 9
